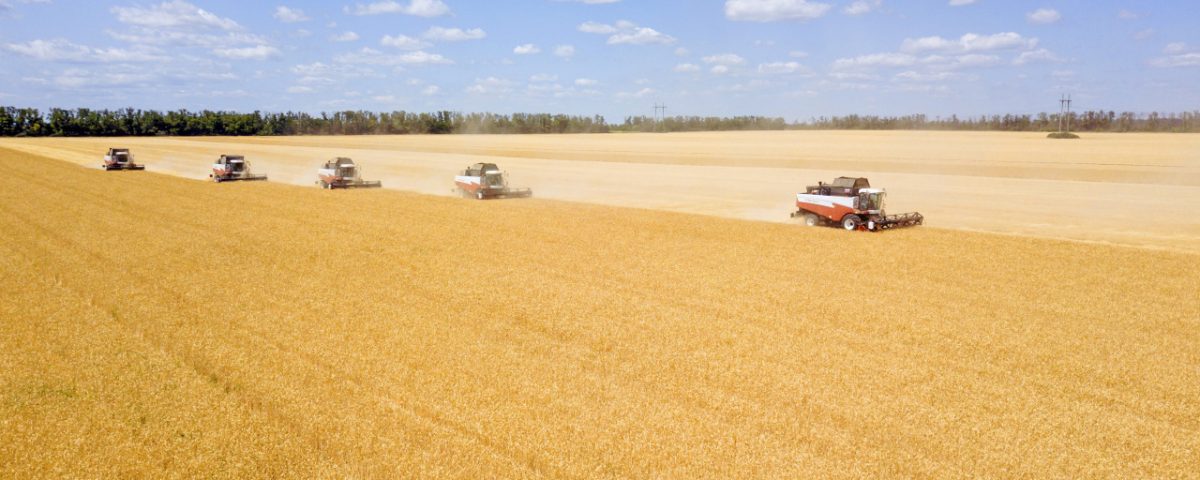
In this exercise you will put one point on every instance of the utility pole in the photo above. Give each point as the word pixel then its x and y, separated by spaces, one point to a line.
pixel 658 119
pixel 1064 113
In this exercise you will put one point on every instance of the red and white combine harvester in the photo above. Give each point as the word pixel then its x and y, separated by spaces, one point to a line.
pixel 341 172
pixel 120 159
pixel 485 180
pixel 233 168
pixel 851 203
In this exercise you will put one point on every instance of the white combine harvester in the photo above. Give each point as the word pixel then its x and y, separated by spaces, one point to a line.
pixel 341 172
pixel 851 203
pixel 233 168
pixel 120 159
pixel 485 181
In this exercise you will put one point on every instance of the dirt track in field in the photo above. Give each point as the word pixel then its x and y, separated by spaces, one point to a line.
pixel 1130 189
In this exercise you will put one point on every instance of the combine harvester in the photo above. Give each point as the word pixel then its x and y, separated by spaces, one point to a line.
pixel 852 203
pixel 120 159
pixel 486 181
pixel 233 168
pixel 341 172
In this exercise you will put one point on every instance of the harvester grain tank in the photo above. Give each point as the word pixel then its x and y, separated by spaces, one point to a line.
pixel 485 181
pixel 342 172
pixel 851 203
pixel 233 168
pixel 120 159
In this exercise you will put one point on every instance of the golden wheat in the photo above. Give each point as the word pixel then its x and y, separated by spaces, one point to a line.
pixel 1107 188
pixel 152 326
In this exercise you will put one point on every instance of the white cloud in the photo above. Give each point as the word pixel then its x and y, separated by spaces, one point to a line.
pixel 564 51
pixel 1044 16
pixel 526 49
pixel 720 69
pixel 153 36
pixel 774 10
pixel 404 42
pixel 1176 47
pixel 638 94
pixel 970 42
pixel 797 54
pixel 1035 56
pixel 862 6
pixel 1128 15
pixel 687 67
pixel 61 50
pixel 419 8
pixel 641 36
pixel 779 67
pixel 384 98
pixel 441 34
pixel 682 52
pixel 625 32
pixel 431 90
pixel 1184 60
pixel 971 60
pixel 299 89
pixel 311 70
pixel 290 15
pixel 490 85
pixel 725 59
pixel 369 56
pixel 853 76
pixel 875 60
pixel 173 14
pixel 543 77
pixel 911 76
pixel 959 3
pixel 345 37
pixel 585 82
pixel 77 78
pixel 597 28
pixel 590 2
pixel 258 52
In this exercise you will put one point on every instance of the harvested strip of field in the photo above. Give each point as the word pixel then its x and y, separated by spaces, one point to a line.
pixel 157 326
pixel 1126 189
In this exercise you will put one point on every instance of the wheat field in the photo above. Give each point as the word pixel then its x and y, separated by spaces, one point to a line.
pixel 157 326
pixel 1125 189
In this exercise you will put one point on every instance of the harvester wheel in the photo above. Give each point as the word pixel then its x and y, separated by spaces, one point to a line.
pixel 851 222
pixel 811 219
pixel 479 195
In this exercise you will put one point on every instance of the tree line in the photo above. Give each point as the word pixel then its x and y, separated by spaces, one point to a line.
pixel 30 122
pixel 1088 121
pixel 83 122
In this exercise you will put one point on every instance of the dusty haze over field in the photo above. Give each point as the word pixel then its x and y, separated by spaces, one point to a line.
pixel 1130 189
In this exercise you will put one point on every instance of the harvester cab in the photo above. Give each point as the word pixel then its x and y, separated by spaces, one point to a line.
pixel 120 159
pixel 851 203
pixel 486 180
pixel 342 172
pixel 231 168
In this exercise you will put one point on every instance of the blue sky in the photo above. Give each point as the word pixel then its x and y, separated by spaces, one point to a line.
pixel 790 58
